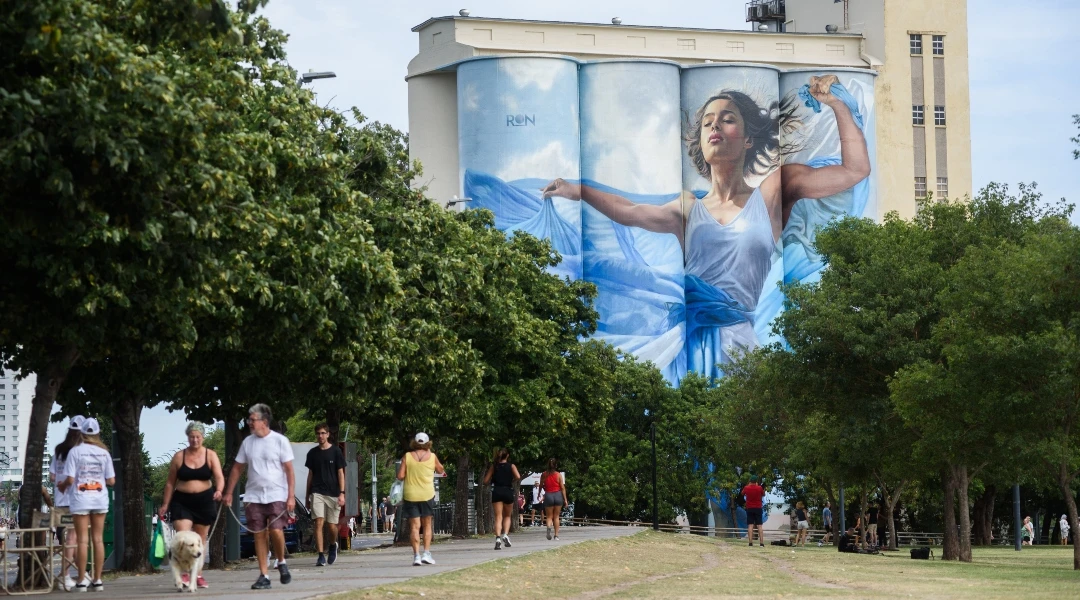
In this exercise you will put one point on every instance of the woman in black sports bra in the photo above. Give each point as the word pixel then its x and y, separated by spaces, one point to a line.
pixel 193 488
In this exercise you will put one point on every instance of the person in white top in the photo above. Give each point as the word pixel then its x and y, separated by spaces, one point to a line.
pixel 1064 524
pixel 269 497
pixel 62 501
pixel 85 475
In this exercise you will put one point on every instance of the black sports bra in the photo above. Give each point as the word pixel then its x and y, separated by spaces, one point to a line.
pixel 203 473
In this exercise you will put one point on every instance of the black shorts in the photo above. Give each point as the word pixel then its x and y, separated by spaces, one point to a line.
pixel 553 499
pixel 502 494
pixel 753 516
pixel 416 510
pixel 199 508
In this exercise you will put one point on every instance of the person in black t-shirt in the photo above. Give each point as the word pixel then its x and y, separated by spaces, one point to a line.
pixel 326 490
pixel 847 541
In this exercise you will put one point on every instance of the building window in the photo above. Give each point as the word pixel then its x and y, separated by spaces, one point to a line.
pixel 737 47
pixel 943 187
pixel 834 49
pixel 687 43
pixel 920 187
pixel 785 47
pixel 939 115
pixel 917 114
pixel 938 42
pixel 916 43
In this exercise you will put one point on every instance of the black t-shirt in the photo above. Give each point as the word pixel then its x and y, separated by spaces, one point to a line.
pixel 873 516
pixel 324 465
pixel 846 543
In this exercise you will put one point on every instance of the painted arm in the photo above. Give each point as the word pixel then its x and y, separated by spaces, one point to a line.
pixel 802 181
pixel 666 218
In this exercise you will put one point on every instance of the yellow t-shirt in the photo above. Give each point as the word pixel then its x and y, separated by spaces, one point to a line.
pixel 419 478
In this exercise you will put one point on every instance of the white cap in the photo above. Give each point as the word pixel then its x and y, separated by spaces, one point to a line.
pixel 422 438
pixel 77 422
pixel 91 426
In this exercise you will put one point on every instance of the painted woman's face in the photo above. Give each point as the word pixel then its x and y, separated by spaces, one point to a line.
pixel 723 133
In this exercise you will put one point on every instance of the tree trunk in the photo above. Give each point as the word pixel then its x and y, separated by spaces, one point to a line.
pixel 488 520
pixel 461 498
pixel 891 498
pixel 984 516
pixel 863 517
pixel 126 414
pixel 49 381
pixel 333 423
pixel 217 537
pixel 515 512
pixel 1065 481
pixel 962 484
pixel 950 544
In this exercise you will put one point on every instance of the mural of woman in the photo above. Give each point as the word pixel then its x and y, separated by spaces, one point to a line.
pixel 729 234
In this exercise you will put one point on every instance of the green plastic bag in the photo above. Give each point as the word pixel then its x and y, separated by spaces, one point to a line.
pixel 157 546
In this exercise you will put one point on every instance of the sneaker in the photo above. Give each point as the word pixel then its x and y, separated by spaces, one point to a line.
pixel 416 562
pixel 762 544
pixel 68 584
pixel 97 586
pixel 185 578
pixel 262 583
pixel 556 538
pixel 200 582
pixel 286 577
pixel 321 562
pixel 332 556
pixel 506 540
pixel 751 544
pixel 549 533
pixel 83 585
pixel 498 543
pixel 426 557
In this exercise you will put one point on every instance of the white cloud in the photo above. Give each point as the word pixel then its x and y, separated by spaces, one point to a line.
pixel 551 161
pixel 531 72
pixel 471 97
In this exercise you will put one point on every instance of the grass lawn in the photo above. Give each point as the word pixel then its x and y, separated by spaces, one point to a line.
pixel 663 565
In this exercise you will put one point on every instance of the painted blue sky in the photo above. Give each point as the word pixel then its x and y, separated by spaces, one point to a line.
pixel 1023 77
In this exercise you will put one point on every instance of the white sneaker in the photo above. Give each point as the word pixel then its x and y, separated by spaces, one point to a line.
pixel 416 562
pixel 498 543
pixel 426 557
pixel 82 586
pixel 67 584
pixel 97 586
pixel 506 540
pixel 556 538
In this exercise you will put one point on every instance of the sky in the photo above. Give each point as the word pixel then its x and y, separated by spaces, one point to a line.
pixel 1024 86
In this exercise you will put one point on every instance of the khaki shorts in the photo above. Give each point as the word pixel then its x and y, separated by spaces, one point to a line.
pixel 871 528
pixel 325 507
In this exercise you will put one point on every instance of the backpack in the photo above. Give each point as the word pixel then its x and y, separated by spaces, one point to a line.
pixel 922 553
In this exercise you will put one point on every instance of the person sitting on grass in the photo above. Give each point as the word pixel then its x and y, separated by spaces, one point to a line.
pixel 847 541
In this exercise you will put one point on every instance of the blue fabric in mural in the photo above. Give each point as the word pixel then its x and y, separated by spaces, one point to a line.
pixel 801 261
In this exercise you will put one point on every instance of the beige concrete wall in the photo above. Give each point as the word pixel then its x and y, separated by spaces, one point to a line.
pixel 896 153
pixel 433 134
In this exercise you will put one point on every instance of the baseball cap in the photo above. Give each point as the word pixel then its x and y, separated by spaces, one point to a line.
pixel 91 426
pixel 76 422
pixel 422 438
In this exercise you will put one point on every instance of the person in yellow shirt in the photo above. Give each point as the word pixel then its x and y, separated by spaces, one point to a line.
pixel 417 470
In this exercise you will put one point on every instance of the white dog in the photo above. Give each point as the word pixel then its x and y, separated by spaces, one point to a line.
pixel 186 556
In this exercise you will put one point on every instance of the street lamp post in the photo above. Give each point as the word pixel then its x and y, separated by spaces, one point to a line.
pixel 313 75
pixel 655 496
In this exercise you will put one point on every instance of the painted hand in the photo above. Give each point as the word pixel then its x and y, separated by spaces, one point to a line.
pixel 819 88
pixel 563 189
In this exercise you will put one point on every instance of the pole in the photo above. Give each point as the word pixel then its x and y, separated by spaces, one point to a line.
pixel 842 528
pixel 232 531
pixel 1018 524
pixel 655 497
pixel 374 487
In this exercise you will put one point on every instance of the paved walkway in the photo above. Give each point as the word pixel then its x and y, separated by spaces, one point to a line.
pixel 355 570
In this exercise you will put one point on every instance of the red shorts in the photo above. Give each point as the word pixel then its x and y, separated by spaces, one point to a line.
pixel 266 516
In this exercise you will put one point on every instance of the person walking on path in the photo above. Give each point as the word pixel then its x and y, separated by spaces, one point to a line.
pixel 86 473
pixel 502 475
pixel 391 511
pixel 269 496
pixel 521 508
pixel 801 523
pixel 326 491
pixel 193 489
pixel 62 501
pixel 826 518
pixel 1028 532
pixel 753 494
pixel 555 496
pixel 1064 525
pixel 537 502
pixel 417 471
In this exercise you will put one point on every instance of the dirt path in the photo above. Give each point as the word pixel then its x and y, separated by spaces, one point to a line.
pixel 802 578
